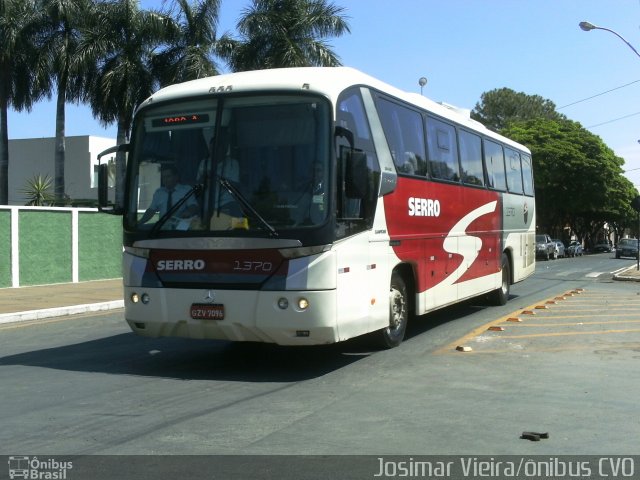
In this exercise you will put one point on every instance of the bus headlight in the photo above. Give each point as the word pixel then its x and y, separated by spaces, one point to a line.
pixel 283 303
pixel 136 298
pixel 303 303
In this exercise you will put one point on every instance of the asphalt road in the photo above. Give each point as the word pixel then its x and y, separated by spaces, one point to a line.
pixel 86 385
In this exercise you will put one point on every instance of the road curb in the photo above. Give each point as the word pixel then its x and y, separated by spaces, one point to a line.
pixel 624 278
pixel 627 278
pixel 30 315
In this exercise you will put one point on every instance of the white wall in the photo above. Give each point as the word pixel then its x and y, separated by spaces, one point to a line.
pixel 36 156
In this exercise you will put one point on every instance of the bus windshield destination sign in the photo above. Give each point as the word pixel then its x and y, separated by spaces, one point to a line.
pixel 187 119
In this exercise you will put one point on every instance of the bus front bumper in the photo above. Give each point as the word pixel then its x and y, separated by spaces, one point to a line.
pixel 281 317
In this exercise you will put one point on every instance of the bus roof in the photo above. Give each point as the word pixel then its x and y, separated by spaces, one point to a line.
pixel 327 81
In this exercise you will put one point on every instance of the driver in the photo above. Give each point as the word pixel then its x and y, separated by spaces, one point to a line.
pixel 170 193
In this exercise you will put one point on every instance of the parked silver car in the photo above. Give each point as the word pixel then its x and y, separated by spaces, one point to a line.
pixel 545 248
pixel 575 249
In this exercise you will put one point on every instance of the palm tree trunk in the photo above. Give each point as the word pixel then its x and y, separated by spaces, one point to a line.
pixel 4 146
pixel 60 146
pixel 121 164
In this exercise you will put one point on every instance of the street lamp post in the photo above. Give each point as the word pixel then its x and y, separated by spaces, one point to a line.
pixel 635 204
pixel 586 26
pixel 422 82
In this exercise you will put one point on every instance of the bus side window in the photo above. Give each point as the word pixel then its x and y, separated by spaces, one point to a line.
pixel 527 174
pixel 356 200
pixel 443 152
pixel 514 171
pixel 404 132
pixel 494 163
pixel 471 158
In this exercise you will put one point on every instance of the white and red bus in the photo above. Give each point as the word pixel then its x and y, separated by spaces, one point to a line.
pixel 313 205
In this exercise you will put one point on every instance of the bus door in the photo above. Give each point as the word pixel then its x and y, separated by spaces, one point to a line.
pixel 358 179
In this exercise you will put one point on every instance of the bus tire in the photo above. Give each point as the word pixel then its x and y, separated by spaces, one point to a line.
pixel 500 296
pixel 393 335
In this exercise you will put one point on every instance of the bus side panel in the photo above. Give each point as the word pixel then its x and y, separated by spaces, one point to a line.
pixel 363 285
pixel 519 234
pixel 452 234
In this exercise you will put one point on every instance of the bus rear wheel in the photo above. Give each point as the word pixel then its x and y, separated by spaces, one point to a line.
pixel 393 335
pixel 500 296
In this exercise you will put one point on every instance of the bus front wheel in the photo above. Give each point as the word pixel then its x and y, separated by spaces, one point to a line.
pixel 393 335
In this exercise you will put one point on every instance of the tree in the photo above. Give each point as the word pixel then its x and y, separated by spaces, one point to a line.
pixel 122 40
pixel 62 40
pixel 22 81
pixel 497 108
pixel 192 43
pixel 286 33
pixel 579 181
pixel 623 216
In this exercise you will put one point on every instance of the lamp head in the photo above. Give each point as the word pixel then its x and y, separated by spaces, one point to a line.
pixel 586 26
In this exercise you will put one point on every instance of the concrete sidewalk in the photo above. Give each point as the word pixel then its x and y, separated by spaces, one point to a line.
pixel 45 301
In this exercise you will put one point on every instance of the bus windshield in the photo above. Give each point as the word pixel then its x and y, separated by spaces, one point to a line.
pixel 244 165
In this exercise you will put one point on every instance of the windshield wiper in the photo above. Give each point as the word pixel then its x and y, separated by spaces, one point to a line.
pixel 196 189
pixel 240 198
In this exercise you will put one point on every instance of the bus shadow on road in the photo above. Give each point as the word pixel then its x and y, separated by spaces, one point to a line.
pixel 189 359
pixel 424 323
pixel 128 354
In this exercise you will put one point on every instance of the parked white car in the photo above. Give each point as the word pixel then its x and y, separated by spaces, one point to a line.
pixel 561 251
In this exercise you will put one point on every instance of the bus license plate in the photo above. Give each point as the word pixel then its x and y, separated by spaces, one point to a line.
pixel 207 311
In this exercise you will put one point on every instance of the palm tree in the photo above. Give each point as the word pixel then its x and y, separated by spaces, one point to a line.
pixel 122 40
pixel 286 33
pixel 65 17
pixel 22 74
pixel 193 41
pixel 37 192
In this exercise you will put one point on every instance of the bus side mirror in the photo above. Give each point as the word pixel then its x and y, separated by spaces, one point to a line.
pixel 103 181
pixel 356 181
pixel 103 192
pixel 345 133
pixel 103 186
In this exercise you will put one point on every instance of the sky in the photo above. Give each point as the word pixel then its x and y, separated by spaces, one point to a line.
pixel 465 48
